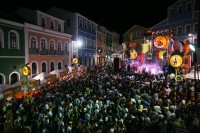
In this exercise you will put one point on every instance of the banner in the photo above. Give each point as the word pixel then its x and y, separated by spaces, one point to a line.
pixel 161 42
pixel 186 63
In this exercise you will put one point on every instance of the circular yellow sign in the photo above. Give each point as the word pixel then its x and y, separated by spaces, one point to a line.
pixel 178 78
pixel 176 61
pixel 26 70
pixel 75 60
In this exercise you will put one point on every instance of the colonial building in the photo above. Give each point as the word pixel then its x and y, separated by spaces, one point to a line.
pixel 115 42
pixel 133 39
pixel 12 50
pixel 83 30
pixel 47 46
pixel 101 45
pixel 183 19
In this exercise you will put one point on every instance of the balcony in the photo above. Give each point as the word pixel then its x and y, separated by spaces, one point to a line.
pixel 33 51
pixel 59 52
pixel 52 52
pixel 44 52
pixel 66 52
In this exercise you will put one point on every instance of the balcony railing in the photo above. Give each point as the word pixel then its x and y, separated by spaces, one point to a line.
pixel 66 52
pixel 52 52
pixel 59 52
pixel 47 52
pixel 33 51
pixel 44 52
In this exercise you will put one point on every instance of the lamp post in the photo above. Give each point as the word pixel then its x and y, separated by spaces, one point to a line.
pixel 75 45
pixel 194 60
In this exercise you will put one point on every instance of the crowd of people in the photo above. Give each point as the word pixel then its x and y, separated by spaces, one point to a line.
pixel 106 102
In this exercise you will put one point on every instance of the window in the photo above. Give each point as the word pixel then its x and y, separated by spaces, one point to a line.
pixel 59 46
pixel 13 44
pixel 141 33
pixel 1 39
pixel 52 66
pixel 43 22
pixel 94 27
pixel 187 29
pixel 14 78
pixel 33 43
pixel 80 23
pixel 179 30
pixel 172 12
pixel 85 24
pixel 1 79
pixel 89 43
pixel 66 47
pixel 34 68
pixel 59 65
pixel 51 45
pixel 85 42
pixel 195 40
pixel 44 66
pixel 68 22
pixel 90 26
pixel 188 6
pixel 137 33
pixel 93 44
pixel 196 27
pixel 180 9
pixel 43 44
pixel 59 27
pixel 52 24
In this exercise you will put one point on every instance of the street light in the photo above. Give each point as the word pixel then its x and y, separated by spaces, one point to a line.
pixel 75 45
pixel 194 60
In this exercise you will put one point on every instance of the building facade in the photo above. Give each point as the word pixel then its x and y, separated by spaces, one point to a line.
pixel 183 19
pixel 83 30
pixel 101 45
pixel 12 51
pixel 47 47
pixel 133 40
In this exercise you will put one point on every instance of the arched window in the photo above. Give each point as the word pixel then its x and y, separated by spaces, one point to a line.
pixel 14 78
pixel 59 47
pixel 43 44
pixel 66 46
pixel 59 65
pixel 52 66
pixel 34 69
pixel 1 79
pixel 43 22
pixel 188 6
pixel 59 27
pixel 1 39
pixel 52 24
pixel 44 66
pixel 33 43
pixel 51 45
pixel 13 40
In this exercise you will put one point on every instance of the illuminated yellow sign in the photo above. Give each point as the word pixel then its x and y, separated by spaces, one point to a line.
pixel 178 78
pixel 176 61
pixel 26 70
pixel 133 54
pixel 75 60
pixel 161 42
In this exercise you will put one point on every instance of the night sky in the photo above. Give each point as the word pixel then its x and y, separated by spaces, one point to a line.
pixel 116 15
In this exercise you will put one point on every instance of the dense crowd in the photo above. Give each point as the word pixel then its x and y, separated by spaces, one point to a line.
pixel 106 102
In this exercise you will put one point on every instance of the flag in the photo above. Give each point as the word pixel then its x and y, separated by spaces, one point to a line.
pixel 145 47
pixel 161 54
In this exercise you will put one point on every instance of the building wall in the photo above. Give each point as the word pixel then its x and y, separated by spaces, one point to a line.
pixel 11 60
pixel 182 19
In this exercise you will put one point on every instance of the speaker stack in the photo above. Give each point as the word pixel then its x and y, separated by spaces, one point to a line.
pixel 117 65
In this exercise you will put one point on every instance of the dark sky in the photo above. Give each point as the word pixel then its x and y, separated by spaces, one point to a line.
pixel 116 15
